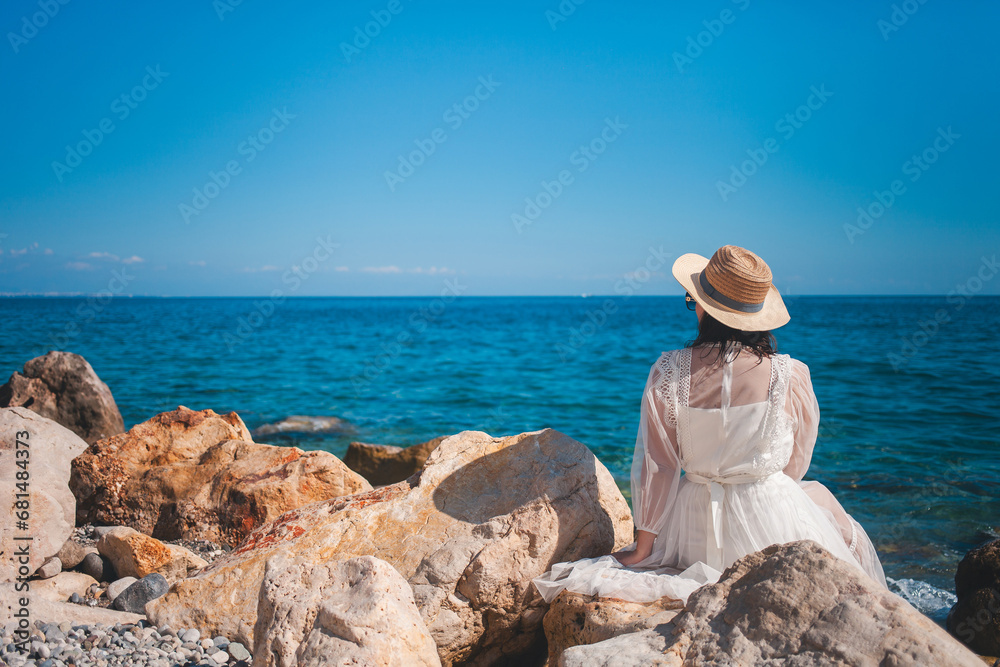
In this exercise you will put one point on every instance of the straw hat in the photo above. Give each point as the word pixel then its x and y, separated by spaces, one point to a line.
pixel 734 287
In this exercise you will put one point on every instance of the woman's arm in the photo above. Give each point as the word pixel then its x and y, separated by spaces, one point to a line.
pixel 655 470
pixel 802 407
pixel 643 547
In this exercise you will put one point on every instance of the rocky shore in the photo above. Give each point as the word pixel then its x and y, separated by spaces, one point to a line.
pixel 183 541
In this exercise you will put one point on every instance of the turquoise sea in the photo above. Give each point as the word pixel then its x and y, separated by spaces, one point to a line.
pixel 908 387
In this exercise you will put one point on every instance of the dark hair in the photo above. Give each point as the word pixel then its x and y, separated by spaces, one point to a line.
pixel 710 330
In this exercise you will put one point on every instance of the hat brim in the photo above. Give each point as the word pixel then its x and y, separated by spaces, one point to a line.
pixel 687 269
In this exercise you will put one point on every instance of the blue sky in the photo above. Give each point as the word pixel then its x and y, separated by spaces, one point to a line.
pixel 545 151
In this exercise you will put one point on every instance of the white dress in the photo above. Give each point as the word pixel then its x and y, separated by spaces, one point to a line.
pixel 743 432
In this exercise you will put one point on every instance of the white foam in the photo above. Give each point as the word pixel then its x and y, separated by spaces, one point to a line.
pixel 928 600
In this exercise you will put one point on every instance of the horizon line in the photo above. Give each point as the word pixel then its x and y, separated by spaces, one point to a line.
pixel 90 295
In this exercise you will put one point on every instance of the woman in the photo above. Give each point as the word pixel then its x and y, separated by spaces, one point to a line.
pixel 741 421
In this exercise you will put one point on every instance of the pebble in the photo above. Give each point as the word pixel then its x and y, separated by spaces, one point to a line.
pixel 142 644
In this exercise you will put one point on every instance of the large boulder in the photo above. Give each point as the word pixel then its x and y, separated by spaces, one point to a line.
pixel 385 464
pixel 188 474
pixel 42 470
pixel 789 604
pixel 574 619
pixel 484 517
pixel 63 387
pixel 975 618
pixel 358 611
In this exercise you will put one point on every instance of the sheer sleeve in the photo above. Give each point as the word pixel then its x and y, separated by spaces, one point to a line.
pixel 803 409
pixel 655 464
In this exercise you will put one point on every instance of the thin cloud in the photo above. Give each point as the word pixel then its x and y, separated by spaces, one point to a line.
pixel 134 259
pixel 341 269
pixel 200 262
pixel 103 255
pixel 266 267
pixel 432 271
pixel 79 266
pixel 382 269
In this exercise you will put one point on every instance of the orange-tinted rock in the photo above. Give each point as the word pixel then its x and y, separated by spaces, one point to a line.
pixel 196 475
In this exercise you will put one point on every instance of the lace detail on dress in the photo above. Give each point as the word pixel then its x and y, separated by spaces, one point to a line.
pixel 666 387
pixel 776 425
pixel 683 395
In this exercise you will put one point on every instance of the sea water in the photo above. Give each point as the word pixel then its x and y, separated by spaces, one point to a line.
pixel 908 387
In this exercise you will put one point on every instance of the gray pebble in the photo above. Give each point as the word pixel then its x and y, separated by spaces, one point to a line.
pixel 238 651
pixel 135 597
pixel 191 635
pixel 98 566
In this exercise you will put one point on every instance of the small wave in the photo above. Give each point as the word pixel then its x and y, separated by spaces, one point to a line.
pixel 304 424
pixel 928 600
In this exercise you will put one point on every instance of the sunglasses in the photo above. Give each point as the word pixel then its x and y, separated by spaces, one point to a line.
pixel 689 301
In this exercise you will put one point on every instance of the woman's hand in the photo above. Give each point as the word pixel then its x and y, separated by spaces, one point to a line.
pixel 629 558
pixel 643 547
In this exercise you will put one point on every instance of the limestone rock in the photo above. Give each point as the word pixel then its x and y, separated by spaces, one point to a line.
pixel 60 587
pixel 484 517
pixel 355 611
pixel 646 648
pixel 134 554
pixel 385 464
pixel 63 387
pixel 975 618
pixel 52 508
pixel 798 601
pixel 196 475
pixel 574 619
pixel 788 604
